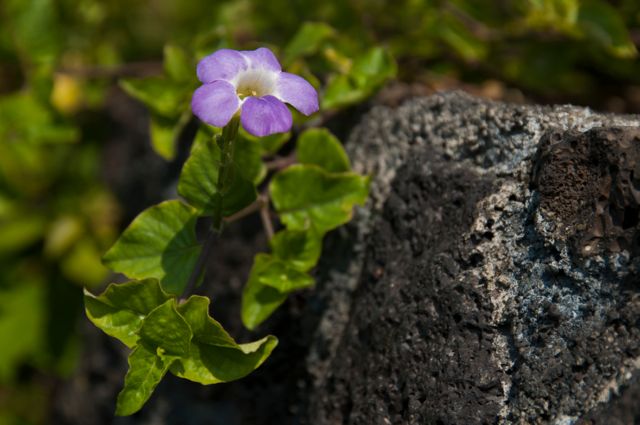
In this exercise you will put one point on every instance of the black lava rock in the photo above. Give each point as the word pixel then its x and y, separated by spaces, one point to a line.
pixel 499 278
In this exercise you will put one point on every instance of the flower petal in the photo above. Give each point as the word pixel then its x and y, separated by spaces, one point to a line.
pixel 297 92
pixel 262 58
pixel 215 103
pixel 223 64
pixel 262 116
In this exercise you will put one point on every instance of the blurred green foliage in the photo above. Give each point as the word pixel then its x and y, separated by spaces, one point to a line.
pixel 59 61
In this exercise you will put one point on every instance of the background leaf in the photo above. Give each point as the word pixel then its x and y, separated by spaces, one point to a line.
pixel 341 91
pixel 26 119
pixel 22 323
pixel 602 23
pixel 461 39
pixel 177 64
pixel 82 264
pixel 373 68
pixel 21 231
pixel 307 40
pixel 164 133
pixel 27 19
pixel 161 95
pixel 368 72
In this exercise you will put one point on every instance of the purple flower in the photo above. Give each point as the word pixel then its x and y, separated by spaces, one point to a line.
pixel 251 81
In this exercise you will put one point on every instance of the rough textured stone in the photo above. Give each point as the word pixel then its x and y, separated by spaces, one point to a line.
pixel 494 277
pixel 589 186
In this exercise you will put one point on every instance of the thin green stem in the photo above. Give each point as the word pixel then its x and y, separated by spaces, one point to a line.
pixel 265 216
pixel 227 143
pixel 226 170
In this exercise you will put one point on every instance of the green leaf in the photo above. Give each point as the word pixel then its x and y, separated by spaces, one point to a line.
pixel 199 180
pixel 307 197
pixel 199 177
pixel 318 146
pixel 165 132
pixel 270 281
pixel 214 356
pixel 286 279
pixel 241 194
pixel 603 24
pixel 212 364
pixel 146 370
pixel 299 249
pixel 166 330
pixel 307 40
pixel 161 95
pixel 121 308
pixel 205 329
pixel 273 277
pixel 259 301
pixel 177 64
pixel 160 243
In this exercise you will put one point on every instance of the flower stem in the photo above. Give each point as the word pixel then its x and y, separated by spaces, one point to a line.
pixel 226 171
pixel 281 162
pixel 227 143
pixel 265 216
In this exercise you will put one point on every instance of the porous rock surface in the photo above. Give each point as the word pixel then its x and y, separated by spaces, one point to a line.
pixel 494 275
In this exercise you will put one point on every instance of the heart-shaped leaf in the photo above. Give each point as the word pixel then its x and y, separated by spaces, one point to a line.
pixel 318 146
pixel 307 197
pixel 214 356
pixel 298 248
pixel 121 308
pixel 160 243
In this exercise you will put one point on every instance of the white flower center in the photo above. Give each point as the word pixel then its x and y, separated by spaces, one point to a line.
pixel 255 82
